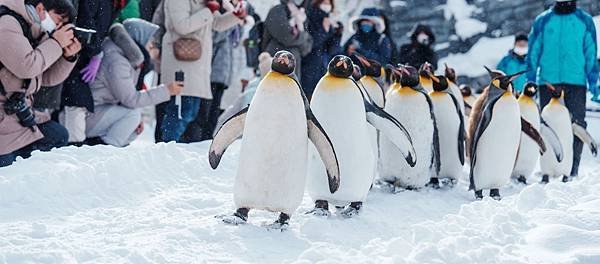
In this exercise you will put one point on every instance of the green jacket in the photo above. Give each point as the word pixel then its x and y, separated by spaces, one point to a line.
pixel 131 10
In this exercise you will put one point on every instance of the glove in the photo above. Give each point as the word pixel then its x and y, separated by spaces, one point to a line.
pixel 90 71
pixel 213 5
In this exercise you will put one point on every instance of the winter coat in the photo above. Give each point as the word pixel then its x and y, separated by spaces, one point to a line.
pixel 373 45
pixel 325 46
pixel 147 8
pixel 511 64
pixel 131 10
pixel 191 18
pixel 97 15
pixel 44 65
pixel 563 49
pixel 222 60
pixel 416 54
pixel 278 35
pixel 116 80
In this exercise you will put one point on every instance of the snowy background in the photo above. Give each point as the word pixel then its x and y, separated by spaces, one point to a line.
pixel 152 203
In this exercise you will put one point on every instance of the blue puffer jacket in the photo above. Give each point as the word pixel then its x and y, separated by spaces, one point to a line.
pixel 511 64
pixel 562 49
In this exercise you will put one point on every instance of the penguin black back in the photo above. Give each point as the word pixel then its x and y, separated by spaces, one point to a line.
pixel 341 66
pixel 410 76
pixel 284 62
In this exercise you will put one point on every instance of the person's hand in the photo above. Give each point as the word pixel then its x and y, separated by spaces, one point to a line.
pixel 326 24
pixel 175 88
pixel 63 35
pixel 213 5
pixel 140 128
pixel 339 29
pixel 90 71
pixel 73 49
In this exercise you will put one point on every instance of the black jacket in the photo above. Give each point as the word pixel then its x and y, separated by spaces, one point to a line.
pixel 414 53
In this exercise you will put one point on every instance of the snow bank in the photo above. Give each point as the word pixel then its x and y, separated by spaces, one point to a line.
pixel 487 51
pixel 465 26
pixel 156 203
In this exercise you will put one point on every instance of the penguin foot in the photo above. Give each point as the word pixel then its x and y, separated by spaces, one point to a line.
pixel 545 179
pixel 240 217
pixel 281 224
pixel 522 179
pixel 352 210
pixel 566 178
pixel 321 209
pixel 448 182
pixel 479 195
pixel 434 183
pixel 495 194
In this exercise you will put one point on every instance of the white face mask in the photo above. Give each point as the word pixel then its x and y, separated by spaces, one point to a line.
pixel 326 8
pixel 423 38
pixel 521 51
pixel 48 24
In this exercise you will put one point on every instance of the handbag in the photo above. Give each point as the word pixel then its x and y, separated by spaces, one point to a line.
pixel 187 49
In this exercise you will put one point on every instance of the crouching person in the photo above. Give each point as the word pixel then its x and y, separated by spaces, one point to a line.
pixel 38 48
pixel 117 117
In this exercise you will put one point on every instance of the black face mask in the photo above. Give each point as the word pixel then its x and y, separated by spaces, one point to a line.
pixel 564 8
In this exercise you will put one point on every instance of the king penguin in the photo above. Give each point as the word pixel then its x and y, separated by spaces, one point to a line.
pixel 424 79
pixel 558 118
pixel 276 127
pixel 344 110
pixel 468 99
pixel 410 104
pixel 453 87
pixel 451 127
pixel 495 127
pixel 528 155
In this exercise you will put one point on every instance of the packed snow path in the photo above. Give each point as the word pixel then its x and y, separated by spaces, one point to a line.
pixel 156 203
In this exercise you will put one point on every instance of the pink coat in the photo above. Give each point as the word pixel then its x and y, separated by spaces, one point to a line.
pixel 44 65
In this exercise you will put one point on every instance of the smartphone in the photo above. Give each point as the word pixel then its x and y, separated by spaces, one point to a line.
pixel 179 76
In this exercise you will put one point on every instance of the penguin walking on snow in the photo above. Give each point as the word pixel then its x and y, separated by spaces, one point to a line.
pixel 410 104
pixel 273 157
pixel 558 118
pixel 494 134
pixel 344 109
pixel 451 127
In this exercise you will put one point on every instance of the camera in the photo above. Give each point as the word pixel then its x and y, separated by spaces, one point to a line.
pixel 16 104
pixel 84 35
pixel 179 76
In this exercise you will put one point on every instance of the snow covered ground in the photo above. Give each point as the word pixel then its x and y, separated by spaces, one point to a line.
pixel 156 203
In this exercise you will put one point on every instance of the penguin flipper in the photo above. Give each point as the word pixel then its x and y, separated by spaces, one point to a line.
pixel 462 133
pixel 585 137
pixel 321 140
pixel 231 130
pixel 550 137
pixel 436 160
pixel 394 130
pixel 485 117
pixel 531 132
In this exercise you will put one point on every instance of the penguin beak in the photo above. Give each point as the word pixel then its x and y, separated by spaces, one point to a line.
pixel 551 87
pixel 490 72
pixel 362 59
pixel 515 76
pixel 394 70
pixel 433 77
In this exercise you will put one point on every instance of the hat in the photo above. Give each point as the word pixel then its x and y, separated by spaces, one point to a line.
pixel 371 14
pixel 140 30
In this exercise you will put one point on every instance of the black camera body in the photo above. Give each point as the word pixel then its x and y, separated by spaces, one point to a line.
pixel 84 35
pixel 16 104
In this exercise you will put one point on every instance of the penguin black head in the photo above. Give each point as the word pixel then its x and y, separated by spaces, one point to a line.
pixel 450 73
pixel 357 73
pixel 554 92
pixel 494 73
pixel 502 81
pixel 341 66
pixel 283 62
pixel 425 69
pixel 466 90
pixel 370 67
pixel 440 83
pixel 530 89
pixel 408 75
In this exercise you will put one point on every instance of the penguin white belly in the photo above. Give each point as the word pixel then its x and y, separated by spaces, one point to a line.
pixel 273 156
pixel 497 146
pixel 558 118
pixel 412 110
pixel 448 123
pixel 455 91
pixel 529 154
pixel 377 95
pixel 341 112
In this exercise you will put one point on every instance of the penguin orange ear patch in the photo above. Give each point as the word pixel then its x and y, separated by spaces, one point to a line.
pixel 496 82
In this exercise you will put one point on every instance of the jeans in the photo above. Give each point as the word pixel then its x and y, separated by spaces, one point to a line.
pixel 204 125
pixel 55 136
pixel 575 98
pixel 172 126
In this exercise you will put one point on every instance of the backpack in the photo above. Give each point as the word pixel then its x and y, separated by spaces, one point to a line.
pixel 5 11
pixel 253 44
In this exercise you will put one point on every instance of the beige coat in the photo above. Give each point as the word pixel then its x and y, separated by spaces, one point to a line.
pixel 44 65
pixel 191 18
